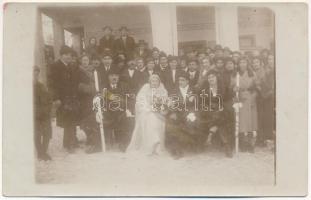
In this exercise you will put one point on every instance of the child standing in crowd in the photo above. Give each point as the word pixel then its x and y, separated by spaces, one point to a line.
pixel 42 118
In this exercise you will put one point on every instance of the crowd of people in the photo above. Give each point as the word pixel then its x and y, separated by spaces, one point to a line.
pixel 180 118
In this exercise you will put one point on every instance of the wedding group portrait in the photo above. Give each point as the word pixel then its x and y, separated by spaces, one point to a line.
pixel 155 91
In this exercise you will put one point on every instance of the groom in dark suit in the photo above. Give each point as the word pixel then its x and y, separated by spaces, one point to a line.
pixel 170 78
pixel 181 132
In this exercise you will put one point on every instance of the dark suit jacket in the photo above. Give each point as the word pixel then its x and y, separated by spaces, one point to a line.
pixel 106 43
pixel 133 83
pixel 128 47
pixel 162 73
pixel 185 105
pixel 194 80
pixel 168 80
pixel 103 76
pixel 64 82
pixel 182 107
pixel 114 115
pixel 146 75
pixel 216 117
pixel 42 102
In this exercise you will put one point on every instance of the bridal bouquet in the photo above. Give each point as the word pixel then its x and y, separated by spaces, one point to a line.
pixel 158 103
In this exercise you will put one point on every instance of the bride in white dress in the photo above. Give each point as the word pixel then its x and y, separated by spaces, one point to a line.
pixel 148 134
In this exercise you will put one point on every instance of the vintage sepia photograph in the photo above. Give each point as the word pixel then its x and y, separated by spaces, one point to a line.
pixel 118 82
pixel 153 95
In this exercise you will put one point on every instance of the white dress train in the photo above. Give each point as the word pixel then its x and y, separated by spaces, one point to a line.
pixel 149 125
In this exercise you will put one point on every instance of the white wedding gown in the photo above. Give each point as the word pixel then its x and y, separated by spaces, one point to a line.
pixel 149 125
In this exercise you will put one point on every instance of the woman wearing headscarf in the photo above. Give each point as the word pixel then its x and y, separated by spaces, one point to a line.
pixel 148 134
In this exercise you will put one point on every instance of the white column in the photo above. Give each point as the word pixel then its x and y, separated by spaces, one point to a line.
pixel 164 27
pixel 226 25
pixel 59 39
pixel 39 50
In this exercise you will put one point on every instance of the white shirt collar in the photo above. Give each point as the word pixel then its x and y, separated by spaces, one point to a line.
pixel 184 91
pixel 131 72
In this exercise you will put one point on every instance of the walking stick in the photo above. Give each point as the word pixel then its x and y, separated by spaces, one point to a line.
pixel 98 108
pixel 237 105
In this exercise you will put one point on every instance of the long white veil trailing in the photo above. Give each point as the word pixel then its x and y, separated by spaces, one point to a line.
pixel 149 125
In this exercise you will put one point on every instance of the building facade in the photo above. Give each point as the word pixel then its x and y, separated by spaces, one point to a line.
pixel 169 27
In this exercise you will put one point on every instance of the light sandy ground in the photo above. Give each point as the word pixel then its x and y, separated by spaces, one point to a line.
pixel 210 168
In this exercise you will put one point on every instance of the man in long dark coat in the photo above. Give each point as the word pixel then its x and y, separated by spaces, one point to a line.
pixel 64 86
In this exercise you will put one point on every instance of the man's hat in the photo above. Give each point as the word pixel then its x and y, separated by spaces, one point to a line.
pixel 155 49
pixel 201 51
pixel 212 71
pixel 183 58
pixel 149 59
pixel 219 58
pixel 229 59
pixel 139 58
pixel 183 74
pixel 192 60
pixel 129 58
pixel 227 49
pixel 162 54
pixel 141 43
pixel 113 71
pixel 65 50
pixel 106 53
pixel 171 58
pixel 218 47
pixel 123 28
pixel 107 27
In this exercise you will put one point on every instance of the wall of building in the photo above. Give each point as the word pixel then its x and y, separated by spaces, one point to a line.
pixel 196 23
pixel 258 22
